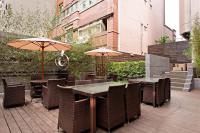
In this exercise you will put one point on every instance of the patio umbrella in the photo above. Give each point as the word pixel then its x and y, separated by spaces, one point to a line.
pixel 40 44
pixel 102 52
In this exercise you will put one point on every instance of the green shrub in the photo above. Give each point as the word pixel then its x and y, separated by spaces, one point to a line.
pixel 163 40
pixel 126 70
pixel 195 41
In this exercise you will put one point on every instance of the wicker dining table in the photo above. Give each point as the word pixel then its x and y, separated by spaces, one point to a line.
pixel 152 81
pixel 35 89
pixel 92 91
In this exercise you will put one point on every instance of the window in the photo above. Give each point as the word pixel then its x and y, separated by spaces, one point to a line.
pixel 69 35
pixel 90 30
pixel 75 6
pixel 60 8
pixel 84 5
pixel 72 9
pixel 66 12
pixel 90 2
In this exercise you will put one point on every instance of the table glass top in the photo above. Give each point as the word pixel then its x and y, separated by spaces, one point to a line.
pixel 96 88
pixel 151 80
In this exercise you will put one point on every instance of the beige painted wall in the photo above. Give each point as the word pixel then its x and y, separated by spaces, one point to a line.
pixel 140 27
pixel 188 10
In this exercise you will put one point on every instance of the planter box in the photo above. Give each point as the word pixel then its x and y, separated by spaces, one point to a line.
pixel 196 83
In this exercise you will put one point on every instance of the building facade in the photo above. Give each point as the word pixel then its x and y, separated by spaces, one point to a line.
pixel 188 10
pixel 128 26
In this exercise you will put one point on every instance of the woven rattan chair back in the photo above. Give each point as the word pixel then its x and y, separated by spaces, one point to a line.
pixel 116 105
pixel 160 92
pixel 51 93
pixel 132 98
pixel 167 89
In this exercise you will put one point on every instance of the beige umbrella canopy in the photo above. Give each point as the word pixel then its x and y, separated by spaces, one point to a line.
pixel 40 44
pixel 103 52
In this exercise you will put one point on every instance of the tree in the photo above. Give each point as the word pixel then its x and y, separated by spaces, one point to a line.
pixel 36 22
pixel 163 39
pixel 21 24
pixel 79 62
pixel 195 42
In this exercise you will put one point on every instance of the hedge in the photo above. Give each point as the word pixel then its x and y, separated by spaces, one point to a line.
pixel 126 70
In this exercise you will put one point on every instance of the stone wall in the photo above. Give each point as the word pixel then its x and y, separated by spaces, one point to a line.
pixel 156 65
pixel 175 51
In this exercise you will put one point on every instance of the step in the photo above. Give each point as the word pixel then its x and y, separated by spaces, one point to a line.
pixel 176 88
pixel 177 73
pixel 177 84
pixel 176 76
pixel 180 80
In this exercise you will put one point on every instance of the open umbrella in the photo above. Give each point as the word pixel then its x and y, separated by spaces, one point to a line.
pixel 103 52
pixel 40 44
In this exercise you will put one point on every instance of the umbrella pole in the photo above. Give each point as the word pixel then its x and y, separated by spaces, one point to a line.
pixel 42 62
pixel 102 65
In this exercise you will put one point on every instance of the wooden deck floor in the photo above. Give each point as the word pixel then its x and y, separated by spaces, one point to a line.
pixel 181 115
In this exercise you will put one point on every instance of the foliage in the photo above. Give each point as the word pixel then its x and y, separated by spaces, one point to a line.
pixel 195 41
pixel 36 22
pixel 24 60
pixel 21 24
pixel 79 62
pixel 163 39
pixel 127 69
pixel 188 52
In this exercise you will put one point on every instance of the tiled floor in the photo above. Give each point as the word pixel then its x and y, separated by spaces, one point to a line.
pixel 180 115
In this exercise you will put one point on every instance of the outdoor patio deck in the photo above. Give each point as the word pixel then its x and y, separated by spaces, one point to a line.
pixel 181 115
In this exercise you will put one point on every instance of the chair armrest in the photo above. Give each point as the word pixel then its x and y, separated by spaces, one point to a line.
pixel 81 101
pixel 81 104
pixel 101 98
pixel 13 84
pixel 16 87
pixel 44 87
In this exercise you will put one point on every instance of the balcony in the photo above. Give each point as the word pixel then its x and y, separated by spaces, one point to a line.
pixel 100 39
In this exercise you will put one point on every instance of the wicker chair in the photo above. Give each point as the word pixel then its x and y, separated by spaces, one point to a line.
pixel 167 89
pixel 160 92
pixel 148 96
pixel 70 81
pixel 132 98
pixel 50 93
pixel 74 116
pixel 141 87
pixel 111 109
pixel 14 94
pixel 83 82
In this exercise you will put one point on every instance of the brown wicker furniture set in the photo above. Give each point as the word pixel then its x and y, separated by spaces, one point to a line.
pixel 103 104
pixel 110 105
pixel 155 91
